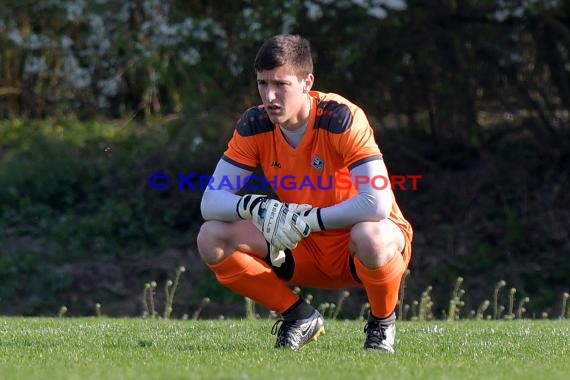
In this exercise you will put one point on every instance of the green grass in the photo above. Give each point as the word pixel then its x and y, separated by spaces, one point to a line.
pixel 102 349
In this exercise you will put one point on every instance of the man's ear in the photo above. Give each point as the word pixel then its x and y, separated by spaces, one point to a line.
pixel 309 80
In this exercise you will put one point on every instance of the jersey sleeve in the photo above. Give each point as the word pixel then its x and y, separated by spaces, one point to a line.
pixel 357 144
pixel 243 150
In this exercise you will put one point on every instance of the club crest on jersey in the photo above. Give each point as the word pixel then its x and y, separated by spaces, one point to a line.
pixel 317 163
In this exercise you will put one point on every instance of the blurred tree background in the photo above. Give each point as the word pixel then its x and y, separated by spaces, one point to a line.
pixel 95 95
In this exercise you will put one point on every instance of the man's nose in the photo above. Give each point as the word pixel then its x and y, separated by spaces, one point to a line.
pixel 270 93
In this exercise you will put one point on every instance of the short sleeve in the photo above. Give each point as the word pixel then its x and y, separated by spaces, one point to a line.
pixel 357 144
pixel 241 152
pixel 243 148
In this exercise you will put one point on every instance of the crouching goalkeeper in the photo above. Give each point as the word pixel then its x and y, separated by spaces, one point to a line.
pixel 324 236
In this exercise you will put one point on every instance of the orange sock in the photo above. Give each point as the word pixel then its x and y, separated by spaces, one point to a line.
pixel 382 284
pixel 253 278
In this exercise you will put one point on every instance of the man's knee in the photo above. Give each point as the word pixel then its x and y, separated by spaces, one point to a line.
pixel 368 236
pixel 375 243
pixel 205 234
pixel 217 240
pixel 208 238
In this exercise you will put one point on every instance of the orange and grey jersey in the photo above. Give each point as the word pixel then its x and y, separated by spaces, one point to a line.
pixel 337 140
pixel 338 137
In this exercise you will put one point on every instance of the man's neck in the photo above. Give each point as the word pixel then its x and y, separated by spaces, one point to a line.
pixel 294 137
pixel 302 120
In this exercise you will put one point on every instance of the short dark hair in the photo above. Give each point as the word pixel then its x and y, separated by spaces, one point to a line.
pixel 285 49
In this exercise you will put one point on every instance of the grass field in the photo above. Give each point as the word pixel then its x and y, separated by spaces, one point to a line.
pixel 103 349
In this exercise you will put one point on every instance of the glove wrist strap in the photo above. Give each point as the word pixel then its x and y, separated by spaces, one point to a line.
pixel 313 218
pixel 246 204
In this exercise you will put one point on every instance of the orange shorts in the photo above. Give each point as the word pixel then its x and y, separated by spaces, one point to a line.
pixel 323 261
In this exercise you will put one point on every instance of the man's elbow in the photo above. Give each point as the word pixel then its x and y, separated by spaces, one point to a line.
pixel 383 209
pixel 206 208
pixel 381 214
pixel 205 214
pixel 379 206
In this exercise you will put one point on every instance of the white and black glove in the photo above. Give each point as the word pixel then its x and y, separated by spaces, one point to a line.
pixel 280 226
pixel 277 256
pixel 311 215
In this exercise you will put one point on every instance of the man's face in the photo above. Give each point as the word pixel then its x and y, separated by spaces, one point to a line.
pixel 284 96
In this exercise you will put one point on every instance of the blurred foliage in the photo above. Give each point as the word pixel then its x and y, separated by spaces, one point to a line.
pixel 438 65
pixel 96 95
pixel 84 185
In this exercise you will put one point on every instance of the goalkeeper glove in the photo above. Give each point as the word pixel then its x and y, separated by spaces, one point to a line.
pixel 311 215
pixel 280 226
pixel 277 256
